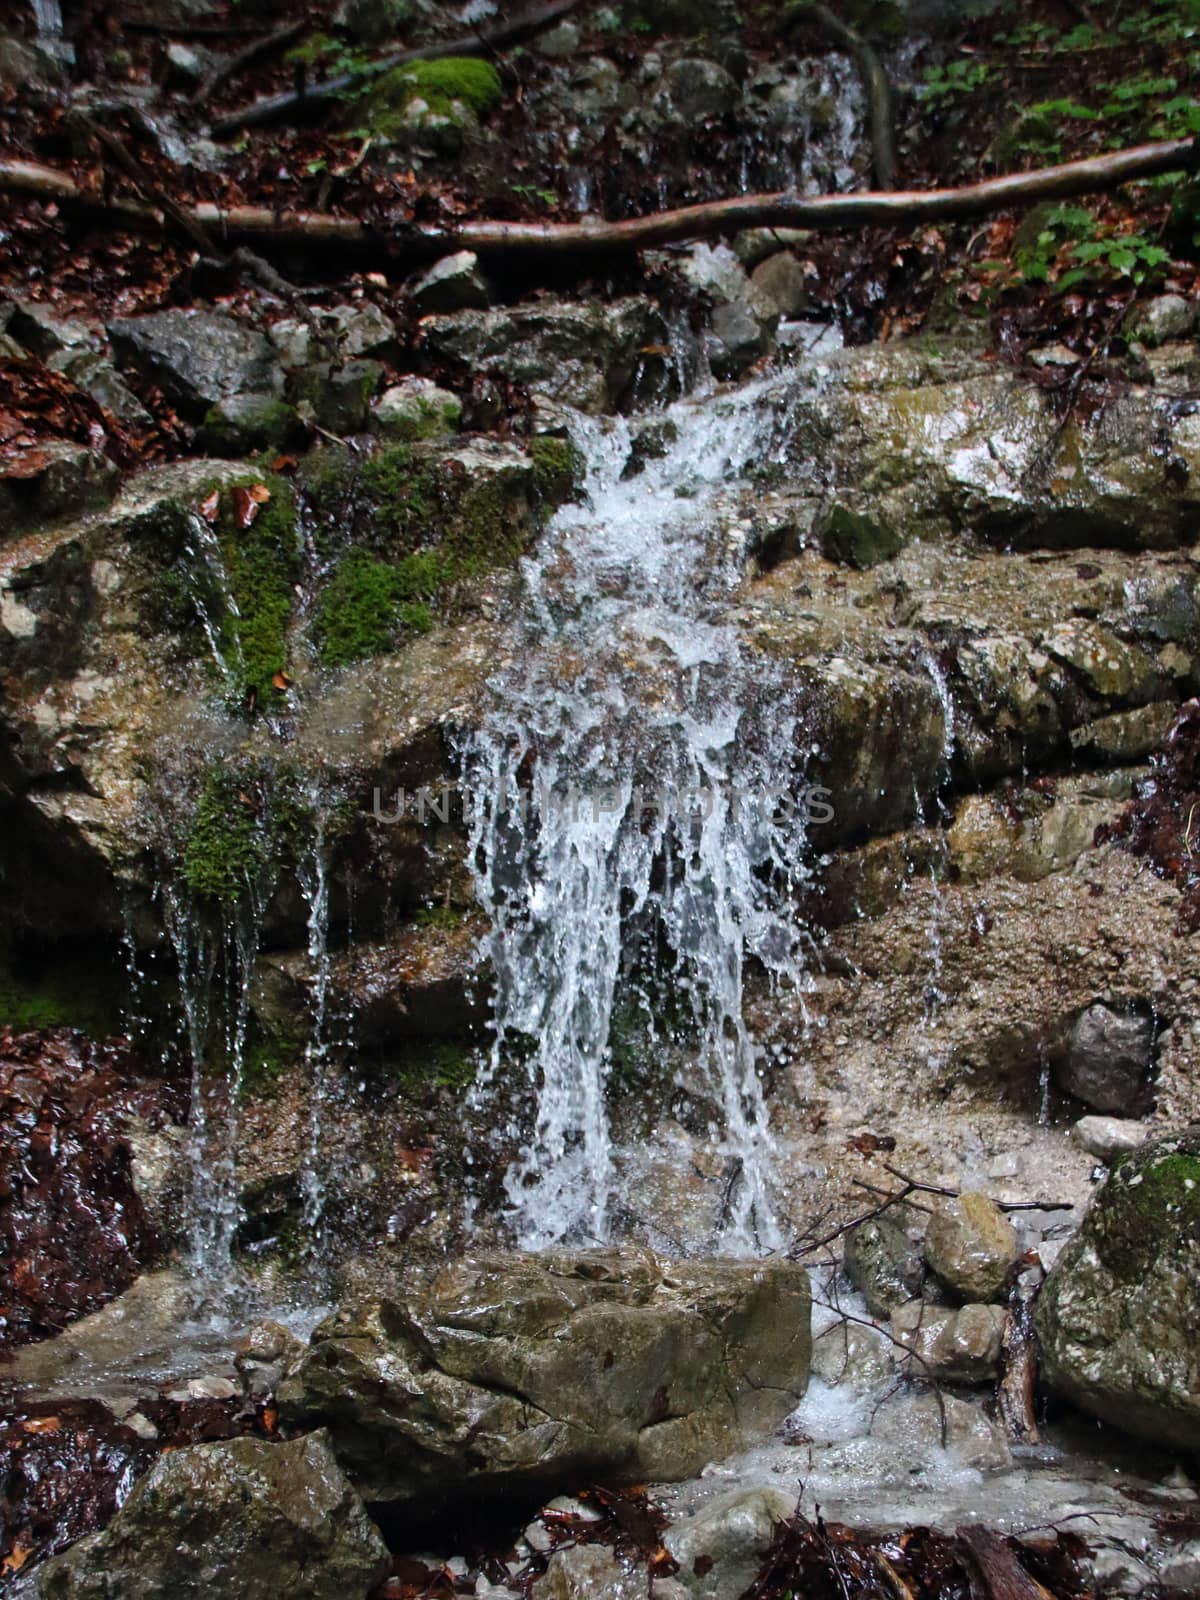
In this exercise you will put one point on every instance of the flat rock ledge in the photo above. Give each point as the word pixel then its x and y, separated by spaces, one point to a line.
pixel 511 1374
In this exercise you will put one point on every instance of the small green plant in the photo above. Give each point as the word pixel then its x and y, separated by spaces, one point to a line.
pixel 945 84
pixel 1071 249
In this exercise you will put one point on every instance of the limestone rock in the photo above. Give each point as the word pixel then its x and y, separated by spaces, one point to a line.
pixel 883 1264
pixel 497 1374
pixel 55 479
pixel 1109 1058
pixel 588 1572
pixel 197 357
pixel 700 90
pixel 962 1346
pixel 243 423
pixel 416 409
pixel 1119 1315
pixel 970 1246
pixel 584 353
pixel 455 283
pixel 780 278
pixel 720 1549
pixel 241 1517
pixel 339 396
pixel 1166 316
pixel 915 1426
pixel 1108 1138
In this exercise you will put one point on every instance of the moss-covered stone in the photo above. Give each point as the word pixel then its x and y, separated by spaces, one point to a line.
pixel 261 564
pixel 1119 1316
pixel 436 101
pixel 63 989
pixel 243 423
pixel 557 469
pixel 225 849
pixel 368 604
pixel 856 538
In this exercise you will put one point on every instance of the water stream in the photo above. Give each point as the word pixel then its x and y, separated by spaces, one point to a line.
pixel 626 793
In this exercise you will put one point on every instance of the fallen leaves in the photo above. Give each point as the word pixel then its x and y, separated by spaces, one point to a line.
pixel 246 501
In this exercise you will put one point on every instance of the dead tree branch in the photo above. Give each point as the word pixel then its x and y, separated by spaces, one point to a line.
pixel 480 41
pixel 257 50
pixel 875 82
pixel 405 244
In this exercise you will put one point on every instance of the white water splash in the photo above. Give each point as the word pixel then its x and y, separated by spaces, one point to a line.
pixel 625 788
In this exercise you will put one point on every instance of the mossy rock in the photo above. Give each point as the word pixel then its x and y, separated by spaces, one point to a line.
pixel 262 563
pixel 250 823
pixel 243 423
pixel 857 538
pixel 558 469
pixel 1119 1316
pixel 369 604
pixel 80 989
pixel 433 100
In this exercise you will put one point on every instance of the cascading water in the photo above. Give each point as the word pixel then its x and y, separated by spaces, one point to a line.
pixel 625 789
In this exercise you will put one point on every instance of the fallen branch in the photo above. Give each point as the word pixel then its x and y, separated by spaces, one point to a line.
pixel 409 244
pixel 480 41
pixel 1017 1388
pixel 235 65
pixel 875 83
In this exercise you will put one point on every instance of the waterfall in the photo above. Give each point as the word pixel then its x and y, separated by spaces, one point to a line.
pixel 628 790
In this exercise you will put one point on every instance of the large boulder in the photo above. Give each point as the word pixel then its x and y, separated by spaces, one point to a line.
pixel 241 1518
pixel 197 357
pixel 585 353
pixel 1119 1316
pixel 510 1374
pixel 1109 1058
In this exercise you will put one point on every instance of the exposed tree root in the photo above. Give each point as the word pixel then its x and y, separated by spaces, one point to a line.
pixel 404 243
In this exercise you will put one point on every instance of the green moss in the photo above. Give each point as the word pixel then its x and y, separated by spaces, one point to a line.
pixel 456 82
pixel 402 493
pixel 67 989
pixel 225 850
pixel 444 918
pixel 438 1066
pixel 368 603
pixel 1149 1204
pixel 261 564
pixel 266 1063
pixel 557 469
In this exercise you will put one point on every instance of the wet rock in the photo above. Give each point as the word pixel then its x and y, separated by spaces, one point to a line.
pixel 416 409
pixel 35 325
pixel 754 245
pixel 1108 1138
pixel 586 354
pixel 339 398
pixel 55 479
pixel 720 1549
pixel 780 279
pixel 244 423
pixel 960 1346
pixel 499 1374
pixel 1111 668
pixel 970 1247
pixel 1165 316
pixel 699 90
pixel 924 1423
pixel 197 357
pixel 858 538
pixel 1126 735
pixel 883 1264
pixel 1119 1315
pixel 455 283
pixel 588 1572
pixel 560 43
pixel 22 64
pixel 96 376
pixel 1109 1059
pixel 849 1353
pixel 736 340
pixel 360 330
pixel 241 1517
